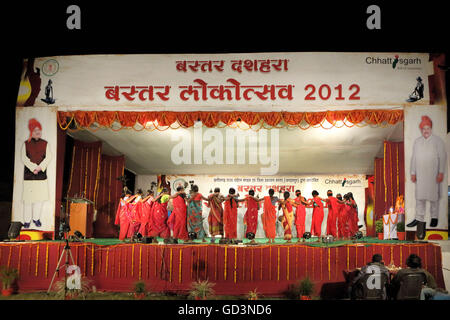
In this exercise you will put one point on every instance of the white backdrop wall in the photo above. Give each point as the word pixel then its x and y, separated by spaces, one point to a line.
pixel 306 184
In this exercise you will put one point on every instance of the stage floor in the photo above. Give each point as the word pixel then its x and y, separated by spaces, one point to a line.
pixel 259 241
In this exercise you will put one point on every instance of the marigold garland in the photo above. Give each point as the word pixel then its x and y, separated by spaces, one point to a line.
pixel 106 262
pixel 251 269
pixel 132 260
pixel 180 263
pixel 170 263
pixel 278 264
pixel 235 263
pixel 9 255
pixel 29 259
pixel 225 265
pixel 20 259
pixel 140 262
pixel 215 263
pixel 329 265
pixel 92 261
pixel 37 260
pixel 287 266
pixel 348 257
pixel 46 260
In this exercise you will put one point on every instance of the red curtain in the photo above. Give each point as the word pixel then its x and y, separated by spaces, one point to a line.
pixel 389 177
pixel 84 175
pixel 108 195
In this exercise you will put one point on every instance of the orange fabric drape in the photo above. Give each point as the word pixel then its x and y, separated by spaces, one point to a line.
pixel 163 119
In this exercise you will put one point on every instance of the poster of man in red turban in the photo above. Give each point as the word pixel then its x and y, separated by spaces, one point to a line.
pixel 35 156
pixel 428 164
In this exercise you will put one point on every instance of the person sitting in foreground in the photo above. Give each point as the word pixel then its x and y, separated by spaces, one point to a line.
pixel 373 267
pixel 430 291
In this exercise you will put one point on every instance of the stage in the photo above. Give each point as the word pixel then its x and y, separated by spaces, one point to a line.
pixel 113 265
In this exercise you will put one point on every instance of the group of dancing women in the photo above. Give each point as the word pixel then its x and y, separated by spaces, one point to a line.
pixel 149 215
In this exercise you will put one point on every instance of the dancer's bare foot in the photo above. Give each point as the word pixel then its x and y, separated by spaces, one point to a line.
pixel 203 240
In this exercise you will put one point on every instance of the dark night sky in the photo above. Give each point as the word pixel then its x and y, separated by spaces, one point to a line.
pixel 128 27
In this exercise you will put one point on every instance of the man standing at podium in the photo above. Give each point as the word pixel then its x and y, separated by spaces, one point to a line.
pixel 35 157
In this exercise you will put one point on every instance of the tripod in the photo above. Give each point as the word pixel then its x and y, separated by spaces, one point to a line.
pixel 65 253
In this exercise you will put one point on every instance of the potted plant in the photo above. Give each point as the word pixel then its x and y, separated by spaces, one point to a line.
pixel 139 290
pixel 253 295
pixel 8 276
pixel 379 228
pixel 201 290
pixel 63 292
pixel 305 288
pixel 401 230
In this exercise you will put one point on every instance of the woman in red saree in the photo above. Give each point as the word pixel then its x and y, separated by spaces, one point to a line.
pixel 177 219
pixel 159 217
pixel 135 208
pixel 251 215
pixel 215 218
pixel 230 214
pixel 146 210
pixel 343 231
pixel 288 216
pixel 353 214
pixel 317 218
pixel 122 215
pixel 269 216
pixel 300 214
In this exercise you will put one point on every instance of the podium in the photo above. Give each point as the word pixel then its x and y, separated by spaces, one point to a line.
pixel 79 218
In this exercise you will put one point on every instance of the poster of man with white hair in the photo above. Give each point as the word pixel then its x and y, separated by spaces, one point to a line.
pixel 427 172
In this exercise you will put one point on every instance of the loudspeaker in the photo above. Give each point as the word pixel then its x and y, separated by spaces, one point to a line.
pixel 14 229
pixel 147 239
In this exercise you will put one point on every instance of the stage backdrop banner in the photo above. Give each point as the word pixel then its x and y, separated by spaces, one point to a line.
pixel 261 184
pixel 34 194
pixel 430 159
pixel 290 81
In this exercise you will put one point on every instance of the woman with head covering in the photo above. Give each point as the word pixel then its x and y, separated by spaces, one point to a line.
pixel 251 215
pixel 35 156
pixel 288 216
pixel 230 214
pixel 215 218
pixel 158 225
pixel 317 218
pixel 269 216
pixel 194 213
pixel 300 213
pixel 177 219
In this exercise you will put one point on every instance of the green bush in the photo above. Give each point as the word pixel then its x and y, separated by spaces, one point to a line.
pixel 379 226
pixel 401 226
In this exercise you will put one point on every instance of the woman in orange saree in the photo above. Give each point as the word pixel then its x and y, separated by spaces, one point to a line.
pixel 269 216
pixel 288 216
